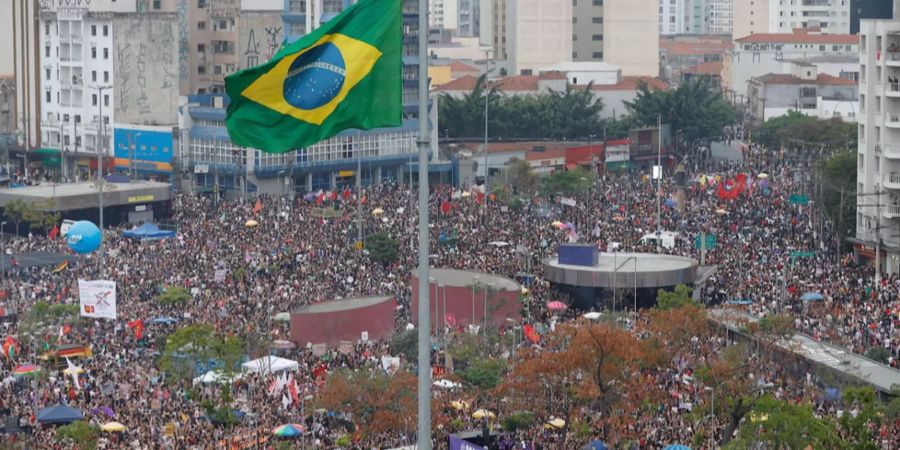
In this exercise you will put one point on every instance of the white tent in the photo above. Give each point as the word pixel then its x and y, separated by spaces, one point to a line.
pixel 215 376
pixel 270 364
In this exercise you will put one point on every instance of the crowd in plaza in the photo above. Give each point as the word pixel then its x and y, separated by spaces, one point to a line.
pixel 294 258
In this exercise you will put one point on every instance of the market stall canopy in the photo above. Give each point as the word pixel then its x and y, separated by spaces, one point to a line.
pixel 270 364
pixel 148 231
pixel 215 376
pixel 112 427
pixel 59 414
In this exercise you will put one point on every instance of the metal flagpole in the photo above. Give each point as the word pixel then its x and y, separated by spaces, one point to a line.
pixel 658 182
pixel 423 438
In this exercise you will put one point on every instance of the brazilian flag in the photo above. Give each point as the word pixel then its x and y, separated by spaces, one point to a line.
pixel 345 74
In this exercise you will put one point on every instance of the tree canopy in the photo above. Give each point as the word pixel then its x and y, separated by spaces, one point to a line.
pixel 568 114
pixel 797 129
pixel 693 108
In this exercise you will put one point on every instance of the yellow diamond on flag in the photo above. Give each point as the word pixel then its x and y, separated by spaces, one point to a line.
pixel 284 89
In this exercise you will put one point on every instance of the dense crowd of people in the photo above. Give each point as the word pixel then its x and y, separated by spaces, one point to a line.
pixel 294 258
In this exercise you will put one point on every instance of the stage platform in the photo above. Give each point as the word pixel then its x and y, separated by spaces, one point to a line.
pixel 624 271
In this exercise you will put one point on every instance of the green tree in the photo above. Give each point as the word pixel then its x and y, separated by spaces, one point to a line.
pixel 79 434
pixel 778 424
pixel 199 343
pixel 518 421
pixel 174 295
pixel 693 108
pixel 860 429
pixel 17 211
pixel 522 177
pixel 879 354
pixel 839 194
pixel 382 248
pixel 678 297
pixel 405 343
pixel 484 374
pixel 794 129
pixel 568 182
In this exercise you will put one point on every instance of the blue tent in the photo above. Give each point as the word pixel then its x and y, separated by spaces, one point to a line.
pixel 148 231
pixel 59 414
pixel 596 445
pixel 811 297
pixel 676 447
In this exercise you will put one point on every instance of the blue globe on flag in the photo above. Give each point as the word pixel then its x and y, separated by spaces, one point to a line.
pixel 315 77
pixel 83 237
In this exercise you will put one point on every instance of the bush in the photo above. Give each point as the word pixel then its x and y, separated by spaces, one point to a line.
pixel 518 421
pixel 81 435
pixel 174 295
pixel 879 354
pixel 382 248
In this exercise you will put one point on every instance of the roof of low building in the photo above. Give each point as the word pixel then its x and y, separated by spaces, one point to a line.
pixel 800 37
pixel 823 79
pixel 707 68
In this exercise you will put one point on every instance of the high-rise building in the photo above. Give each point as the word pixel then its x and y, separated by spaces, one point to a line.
pixel 26 64
pixel 587 30
pixel 492 27
pixel 718 17
pixel 780 16
pixel 538 34
pixel 878 157
pixel 674 17
pixel 103 63
pixel 468 12
pixel 444 14
pixel 631 37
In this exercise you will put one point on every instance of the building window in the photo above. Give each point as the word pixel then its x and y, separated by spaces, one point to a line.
pixel 94 76
pixel 47 28
pixel 157 4
pixel 597 20
pixel 598 2
pixel 47 74
pixel 93 52
pixel 574 37
pixel 94 99
pixel 93 30
pixel 201 25
pixel 105 99
pixel 598 55
pixel 46 52
pixel 105 76
pixel 66 118
pixel 201 48
pixel 106 30
pixel 597 37
pixel 77 118
pixel 105 53
pixel 47 97
pixel 201 70
pixel 217 69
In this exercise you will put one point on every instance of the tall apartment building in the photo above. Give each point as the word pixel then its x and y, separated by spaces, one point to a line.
pixel 718 16
pixel 468 16
pixel 382 154
pixel 631 37
pixel 492 27
pixel 782 16
pixel 101 63
pixel 674 17
pixel 26 62
pixel 878 157
pixel 539 34
pixel 587 30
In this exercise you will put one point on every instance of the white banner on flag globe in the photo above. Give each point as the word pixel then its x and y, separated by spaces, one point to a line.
pixel 97 298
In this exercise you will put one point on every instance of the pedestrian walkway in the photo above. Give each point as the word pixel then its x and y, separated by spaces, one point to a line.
pixel 880 376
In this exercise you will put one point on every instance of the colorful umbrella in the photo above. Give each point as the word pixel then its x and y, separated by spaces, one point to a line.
pixel 556 305
pixel 483 413
pixel 556 423
pixel 251 223
pixel 377 211
pixel 26 369
pixel 289 430
pixel 112 427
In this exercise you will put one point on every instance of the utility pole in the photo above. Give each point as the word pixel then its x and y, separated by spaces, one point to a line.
pixel 423 437
pixel 359 220
pixel 659 183
pixel 101 149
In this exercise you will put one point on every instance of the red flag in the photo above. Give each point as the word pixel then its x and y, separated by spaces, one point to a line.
pixel 54 232
pixel 257 207
pixel 531 334
pixel 731 189
pixel 333 195
pixel 479 197
pixel 446 207
pixel 451 320
pixel 492 197
pixel 363 200
pixel 320 370
pixel 292 388
pixel 346 194
pixel 319 199
pixel 138 326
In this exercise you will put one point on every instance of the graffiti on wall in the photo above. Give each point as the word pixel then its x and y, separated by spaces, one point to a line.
pixel 147 68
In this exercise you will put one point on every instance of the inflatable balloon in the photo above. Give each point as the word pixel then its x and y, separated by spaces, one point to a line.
pixel 83 237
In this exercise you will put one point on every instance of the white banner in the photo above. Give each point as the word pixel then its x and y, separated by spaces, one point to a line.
pixel 97 298
pixel 567 201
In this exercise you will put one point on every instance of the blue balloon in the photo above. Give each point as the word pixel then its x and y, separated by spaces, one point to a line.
pixel 83 237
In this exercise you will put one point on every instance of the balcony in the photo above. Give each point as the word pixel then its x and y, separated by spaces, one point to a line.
pixel 892 120
pixel 892 90
pixel 892 59
pixel 890 151
pixel 890 211
pixel 892 181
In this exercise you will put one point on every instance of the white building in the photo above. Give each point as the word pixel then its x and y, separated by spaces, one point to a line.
pixel 674 17
pixel 719 16
pixel 443 14
pixel 538 34
pixel 76 46
pixel 780 16
pixel 764 53
pixel 468 17
pixel 878 159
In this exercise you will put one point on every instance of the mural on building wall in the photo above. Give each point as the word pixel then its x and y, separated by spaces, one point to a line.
pixel 261 35
pixel 146 60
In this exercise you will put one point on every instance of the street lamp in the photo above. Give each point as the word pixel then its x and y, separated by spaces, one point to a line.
pixel 591 149
pixel 2 251
pixel 101 148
